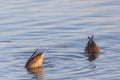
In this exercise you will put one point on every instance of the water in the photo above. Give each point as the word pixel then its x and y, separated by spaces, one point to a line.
pixel 60 28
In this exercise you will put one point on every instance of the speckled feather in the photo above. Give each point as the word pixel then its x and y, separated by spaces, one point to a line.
pixel 91 46
pixel 35 60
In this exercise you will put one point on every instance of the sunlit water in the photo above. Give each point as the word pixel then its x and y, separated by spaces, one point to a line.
pixel 60 28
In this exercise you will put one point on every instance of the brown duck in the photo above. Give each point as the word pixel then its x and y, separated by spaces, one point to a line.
pixel 91 46
pixel 35 60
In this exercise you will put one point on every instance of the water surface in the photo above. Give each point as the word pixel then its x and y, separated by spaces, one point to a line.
pixel 60 28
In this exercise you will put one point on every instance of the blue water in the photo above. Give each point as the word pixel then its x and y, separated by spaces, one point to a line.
pixel 60 29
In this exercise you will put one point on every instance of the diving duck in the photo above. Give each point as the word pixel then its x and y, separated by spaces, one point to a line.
pixel 91 46
pixel 35 60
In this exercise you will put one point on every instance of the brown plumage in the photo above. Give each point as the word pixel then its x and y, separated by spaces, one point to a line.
pixel 91 46
pixel 35 60
pixel 92 57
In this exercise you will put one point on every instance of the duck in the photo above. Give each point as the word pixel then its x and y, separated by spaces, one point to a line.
pixel 35 60
pixel 91 46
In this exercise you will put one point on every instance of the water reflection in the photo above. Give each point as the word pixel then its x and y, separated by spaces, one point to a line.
pixel 38 72
pixel 92 57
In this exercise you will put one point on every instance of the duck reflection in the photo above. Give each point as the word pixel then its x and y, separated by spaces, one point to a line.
pixel 92 57
pixel 38 72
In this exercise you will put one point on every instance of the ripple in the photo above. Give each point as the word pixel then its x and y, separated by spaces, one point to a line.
pixel 60 28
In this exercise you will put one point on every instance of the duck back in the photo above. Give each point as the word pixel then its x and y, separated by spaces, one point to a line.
pixel 91 46
pixel 35 60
